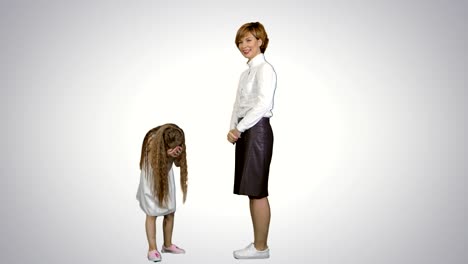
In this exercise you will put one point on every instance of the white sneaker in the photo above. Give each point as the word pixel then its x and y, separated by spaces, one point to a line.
pixel 250 252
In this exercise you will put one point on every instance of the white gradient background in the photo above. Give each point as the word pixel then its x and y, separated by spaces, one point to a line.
pixel 370 123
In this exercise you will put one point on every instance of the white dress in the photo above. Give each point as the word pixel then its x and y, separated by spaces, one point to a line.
pixel 148 202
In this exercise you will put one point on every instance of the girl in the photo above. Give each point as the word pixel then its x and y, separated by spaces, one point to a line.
pixel 252 134
pixel 162 146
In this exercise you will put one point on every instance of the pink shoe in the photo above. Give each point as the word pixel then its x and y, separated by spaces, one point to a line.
pixel 154 256
pixel 172 249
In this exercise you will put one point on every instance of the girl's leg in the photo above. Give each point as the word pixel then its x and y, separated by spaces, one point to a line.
pixel 151 232
pixel 168 226
pixel 260 213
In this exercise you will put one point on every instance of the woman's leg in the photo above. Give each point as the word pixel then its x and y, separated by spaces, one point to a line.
pixel 150 225
pixel 260 213
pixel 168 226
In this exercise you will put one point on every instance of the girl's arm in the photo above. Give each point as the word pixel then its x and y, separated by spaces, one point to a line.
pixel 174 155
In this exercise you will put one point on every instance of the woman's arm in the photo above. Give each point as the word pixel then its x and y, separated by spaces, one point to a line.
pixel 235 108
pixel 265 92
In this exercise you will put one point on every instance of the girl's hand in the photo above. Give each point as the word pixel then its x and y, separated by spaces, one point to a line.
pixel 233 135
pixel 175 152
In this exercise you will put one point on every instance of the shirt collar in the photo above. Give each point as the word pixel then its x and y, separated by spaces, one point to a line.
pixel 256 60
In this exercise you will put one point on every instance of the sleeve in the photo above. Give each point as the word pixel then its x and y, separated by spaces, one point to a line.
pixel 235 109
pixel 266 86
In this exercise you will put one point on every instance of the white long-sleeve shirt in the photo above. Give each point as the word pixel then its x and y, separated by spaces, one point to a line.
pixel 255 94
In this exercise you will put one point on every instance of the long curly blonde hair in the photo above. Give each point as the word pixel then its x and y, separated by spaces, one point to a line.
pixel 156 162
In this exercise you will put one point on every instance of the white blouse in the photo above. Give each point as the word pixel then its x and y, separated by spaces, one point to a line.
pixel 255 94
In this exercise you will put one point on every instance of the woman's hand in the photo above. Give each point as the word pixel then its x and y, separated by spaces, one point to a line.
pixel 175 152
pixel 233 135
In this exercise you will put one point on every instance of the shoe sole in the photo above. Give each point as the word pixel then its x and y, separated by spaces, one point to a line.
pixel 257 257
pixel 167 251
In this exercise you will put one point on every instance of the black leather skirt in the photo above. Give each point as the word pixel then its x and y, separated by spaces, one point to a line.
pixel 254 150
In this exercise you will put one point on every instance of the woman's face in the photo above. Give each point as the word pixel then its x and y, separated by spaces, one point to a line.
pixel 249 46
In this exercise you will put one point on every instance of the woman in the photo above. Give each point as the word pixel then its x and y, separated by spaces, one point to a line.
pixel 252 134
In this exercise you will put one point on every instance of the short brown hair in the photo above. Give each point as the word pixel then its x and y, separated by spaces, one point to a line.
pixel 257 30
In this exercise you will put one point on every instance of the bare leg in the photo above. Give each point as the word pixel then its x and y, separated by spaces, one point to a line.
pixel 168 226
pixel 150 225
pixel 260 213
